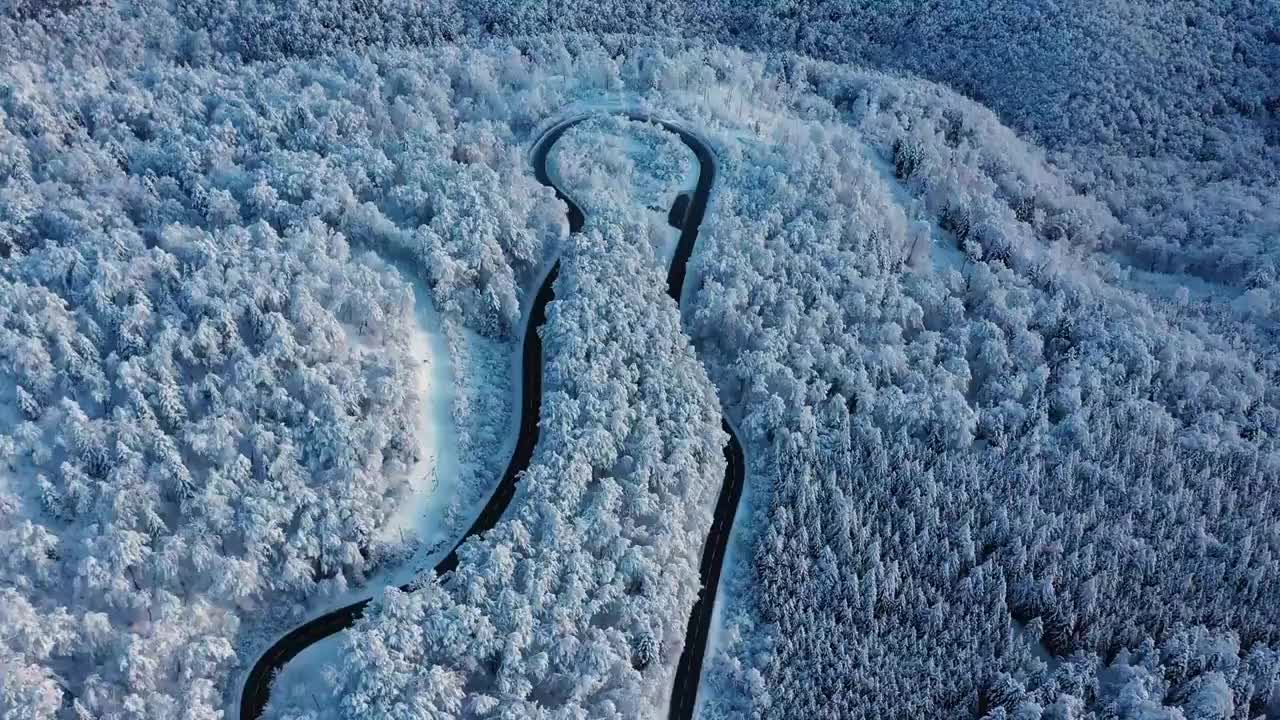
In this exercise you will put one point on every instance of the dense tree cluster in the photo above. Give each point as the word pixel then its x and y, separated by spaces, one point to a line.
pixel 1203 228
pixel 1153 79
pixel 199 309
pixel 199 428
pixel 992 481
pixel 1156 79
pixel 1066 582
pixel 1190 89
pixel 206 379
pixel 611 161
pixel 1166 111
pixel 576 603
pixel 976 437
pixel 628 459
pixel 1148 78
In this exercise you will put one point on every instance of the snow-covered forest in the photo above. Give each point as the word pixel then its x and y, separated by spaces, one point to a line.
pixel 987 454
pixel 208 407
pixel 1002 349
pixel 576 604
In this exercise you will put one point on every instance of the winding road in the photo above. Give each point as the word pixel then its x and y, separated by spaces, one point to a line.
pixel 257 687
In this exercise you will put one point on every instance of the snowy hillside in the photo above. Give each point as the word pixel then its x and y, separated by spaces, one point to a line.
pixel 999 338
pixel 212 409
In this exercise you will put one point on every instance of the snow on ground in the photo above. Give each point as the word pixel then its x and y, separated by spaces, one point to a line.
pixel 298 679
pixel 940 245
pixel 437 507
pixel 1179 286
pixel 646 155
pixel 636 166
pixel 648 168
pixel 1037 646
pixel 734 582
pixel 438 504
pixel 433 479
pixel 457 365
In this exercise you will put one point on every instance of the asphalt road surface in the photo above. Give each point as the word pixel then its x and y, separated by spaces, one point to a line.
pixel 257 687
pixel 684 694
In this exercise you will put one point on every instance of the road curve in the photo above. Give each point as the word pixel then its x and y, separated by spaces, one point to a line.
pixel 684 694
pixel 257 687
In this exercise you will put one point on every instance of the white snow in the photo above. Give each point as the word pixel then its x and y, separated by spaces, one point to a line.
pixel 665 196
pixel 943 252
pixel 734 580
pixel 433 478
pixel 446 483
pixel 651 187
pixel 1168 285
pixel 432 511
pixel 1038 648
pixel 297 679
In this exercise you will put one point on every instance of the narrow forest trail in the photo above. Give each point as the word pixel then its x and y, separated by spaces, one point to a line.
pixel 257 686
